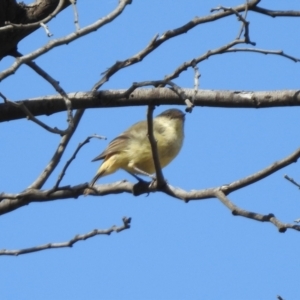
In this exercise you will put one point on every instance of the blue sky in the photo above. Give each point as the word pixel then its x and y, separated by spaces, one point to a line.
pixel 173 250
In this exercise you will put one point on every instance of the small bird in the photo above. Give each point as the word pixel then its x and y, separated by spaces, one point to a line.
pixel 131 150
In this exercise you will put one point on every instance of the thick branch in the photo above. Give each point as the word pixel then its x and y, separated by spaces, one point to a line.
pixel 47 105
pixel 11 35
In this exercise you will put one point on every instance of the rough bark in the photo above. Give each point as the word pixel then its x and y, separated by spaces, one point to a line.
pixel 19 13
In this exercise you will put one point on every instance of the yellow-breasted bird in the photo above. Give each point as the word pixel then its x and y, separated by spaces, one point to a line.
pixel 131 150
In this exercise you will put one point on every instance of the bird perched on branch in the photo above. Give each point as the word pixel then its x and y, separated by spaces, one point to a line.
pixel 131 150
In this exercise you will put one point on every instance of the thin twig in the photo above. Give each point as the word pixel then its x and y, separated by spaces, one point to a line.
pixel 197 60
pixel 31 117
pixel 236 211
pixel 238 184
pixel 46 28
pixel 160 83
pixel 70 243
pixel 196 83
pixel 181 94
pixel 157 40
pixel 275 13
pixel 264 51
pixel 245 26
pixel 73 2
pixel 292 181
pixel 160 181
pixel 42 178
pixel 63 172
pixel 56 86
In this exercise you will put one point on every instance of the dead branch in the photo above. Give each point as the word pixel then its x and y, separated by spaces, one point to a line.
pixel 70 243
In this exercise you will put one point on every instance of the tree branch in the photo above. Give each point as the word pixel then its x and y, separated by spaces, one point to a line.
pixel 65 40
pixel 42 178
pixel 55 84
pixel 24 19
pixel 70 243
pixel 157 40
pixel 275 13
pixel 63 172
pixel 47 105
pixel 11 202
pixel 236 211
pixel 160 180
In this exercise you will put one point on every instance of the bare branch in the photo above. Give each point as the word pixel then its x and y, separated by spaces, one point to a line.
pixel 158 40
pixel 11 202
pixel 73 2
pixel 292 181
pixel 226 49
pixel 181 94
pixel 236 211
pixel 264 51
pixel 262 174
pixel 161 83
pixel 65 40
pixel 158 96
pixel 244 27
pixel 56 86
pixel 196 83
pixel 160 181
pixel 276 13
pixel 42 178
pixel 63 172
pixel 46 28
pixel 124 186
pixel 31 117
pixel 195 61
pixel 70 243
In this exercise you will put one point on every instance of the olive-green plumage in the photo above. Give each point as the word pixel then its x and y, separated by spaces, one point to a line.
pixel 131 150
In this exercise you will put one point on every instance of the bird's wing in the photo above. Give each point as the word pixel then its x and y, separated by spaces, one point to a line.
pixel 114 146
pixel 136 131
